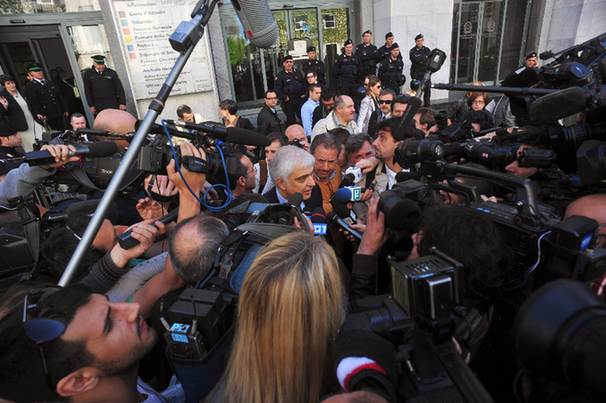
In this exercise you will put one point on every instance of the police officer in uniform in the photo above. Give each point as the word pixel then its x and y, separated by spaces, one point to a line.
pixel 390 70
pixel 368 55
pixel 312 64
pixel 44 99
pixel 103 87
pixel 385 50
pixel 418 57
pixel 346 71
pixel 290 87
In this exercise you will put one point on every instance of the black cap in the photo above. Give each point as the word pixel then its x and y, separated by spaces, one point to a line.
pixel 99 59
pixel 394 46
pixel 311 49
pixel 368 31
pixel 347 42
pixel 388 35
pixel 420 36
pixel 530 55
pixel 287 57
pixel 33 67
pixel 5 78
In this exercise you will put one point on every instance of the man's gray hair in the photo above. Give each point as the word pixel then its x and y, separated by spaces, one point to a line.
pixel 192 255
pixel 287 159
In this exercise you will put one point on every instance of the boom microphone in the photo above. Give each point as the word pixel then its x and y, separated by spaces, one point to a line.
pixel 549 108
pixel 228 134
pixel 259 24
pixel 93 150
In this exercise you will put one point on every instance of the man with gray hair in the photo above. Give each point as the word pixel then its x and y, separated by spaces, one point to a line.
pixel 342 116
pixel 292 172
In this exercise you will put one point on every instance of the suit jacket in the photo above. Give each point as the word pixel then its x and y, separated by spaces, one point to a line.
pixel 268 121
pixel 44 99
pixel 314 202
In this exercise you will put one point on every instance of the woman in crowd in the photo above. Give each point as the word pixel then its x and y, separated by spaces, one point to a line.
pixel 369 103
pixel 18 113
pixel 291 307
pixel 477 103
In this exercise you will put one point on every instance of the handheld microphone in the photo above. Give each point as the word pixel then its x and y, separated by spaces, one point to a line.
pixel 259 24
pixel 93 150
pixel 318 219
pixel 228 134
pixel 347 194
pixel 125 239
pixel 352 175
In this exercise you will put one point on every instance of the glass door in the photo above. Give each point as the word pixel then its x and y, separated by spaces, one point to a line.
pixel 477 32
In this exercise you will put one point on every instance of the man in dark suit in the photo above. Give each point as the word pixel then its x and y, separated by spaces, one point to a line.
pixel 44 99
pixel 103 87
pixel 268 120
pixel 292 171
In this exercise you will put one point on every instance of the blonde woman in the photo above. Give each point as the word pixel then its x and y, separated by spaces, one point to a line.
pixel 291 307
pixel 369 104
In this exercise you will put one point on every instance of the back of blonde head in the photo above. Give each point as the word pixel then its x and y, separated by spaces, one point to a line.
pixel 291 306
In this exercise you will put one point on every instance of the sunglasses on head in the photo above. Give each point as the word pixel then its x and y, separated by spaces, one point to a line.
pixel 39 329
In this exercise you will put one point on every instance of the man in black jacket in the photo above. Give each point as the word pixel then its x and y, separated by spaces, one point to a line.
pixel 290 87
pixel 390 70
pixel 367 55
pixel 267 119
pixel 385 50
pixel 346 71
pixel 103 87
pixel 44 99
pixel 327 102
pixel 312 64
pixel 418 57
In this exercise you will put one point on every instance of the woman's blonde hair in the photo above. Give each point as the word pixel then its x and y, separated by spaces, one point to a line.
pixel 291 307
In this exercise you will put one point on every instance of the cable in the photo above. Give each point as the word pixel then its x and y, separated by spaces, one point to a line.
pixel 532 268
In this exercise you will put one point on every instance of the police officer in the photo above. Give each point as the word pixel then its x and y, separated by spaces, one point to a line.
pixel 367 55
pixel 390 70
pixel 418 57
pixel 44 99
pixel 290 87
pixel 103 87
pixel 385 50
pixel 312 64
pixel 346 71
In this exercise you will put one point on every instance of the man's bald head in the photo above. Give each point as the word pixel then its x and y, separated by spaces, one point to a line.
pixel 591 206
pixel 297 133
pixel 115 120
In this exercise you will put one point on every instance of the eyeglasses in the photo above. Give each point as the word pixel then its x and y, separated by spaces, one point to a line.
pixel 385 101
pixel 38 329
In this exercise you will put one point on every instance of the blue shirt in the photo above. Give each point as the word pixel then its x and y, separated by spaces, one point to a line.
pixel 307 113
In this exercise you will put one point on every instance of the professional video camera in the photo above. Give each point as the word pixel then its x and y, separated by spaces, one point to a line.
pixel 431 370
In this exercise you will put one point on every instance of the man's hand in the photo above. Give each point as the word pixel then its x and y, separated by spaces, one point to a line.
pixel 193 179
pixel 367 194
pixel 122 107
pixel 149 209
pixel 41 117
pixel 4 103
pixel 145 232
pixel 61 155
pixel 374 235
pixel 368 165
pixel 160 184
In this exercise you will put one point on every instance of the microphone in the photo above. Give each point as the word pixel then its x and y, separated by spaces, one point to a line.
pixel 549 108
pixel 93 150
pixel 347 194
pixel 403 176
pixel 173 129
pixel 259 24
pixel 318 219
pixel 228 134
pixel 352 175
pixel 127 242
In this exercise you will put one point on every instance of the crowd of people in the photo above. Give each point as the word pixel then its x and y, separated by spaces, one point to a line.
pixel 97 339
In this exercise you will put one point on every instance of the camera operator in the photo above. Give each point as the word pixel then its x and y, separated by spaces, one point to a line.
pixel 292 304
pixel 22 181
pixel 425 121
pixel 292 172
pixel 263 180
pixel 77 121
pixel 296 136
pixel 471 239
pixel 594 207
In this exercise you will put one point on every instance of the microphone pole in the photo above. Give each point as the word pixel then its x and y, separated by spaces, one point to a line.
pixel 183 40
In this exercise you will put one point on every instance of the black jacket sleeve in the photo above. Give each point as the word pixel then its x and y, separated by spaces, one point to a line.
pixel 119 89
pixel 363 280
pixel 102 275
